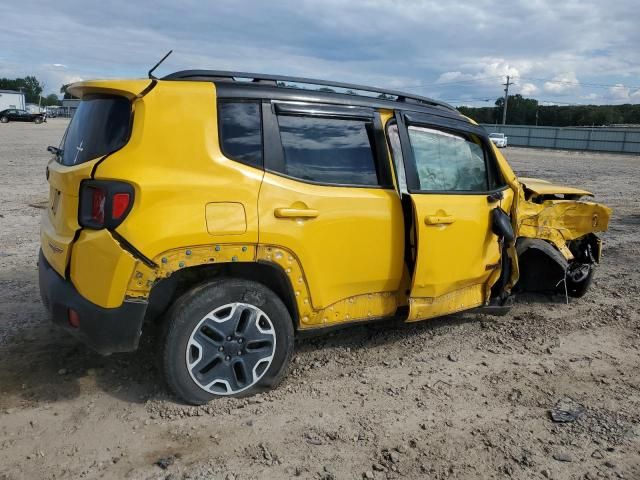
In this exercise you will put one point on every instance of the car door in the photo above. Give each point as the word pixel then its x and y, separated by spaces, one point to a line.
pixel 328 197
pixel 453 181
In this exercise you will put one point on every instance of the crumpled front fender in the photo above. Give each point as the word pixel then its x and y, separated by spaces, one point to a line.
pixel 559 221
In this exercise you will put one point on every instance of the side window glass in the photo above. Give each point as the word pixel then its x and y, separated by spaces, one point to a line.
pixel 240 128
pixel 328 150
pixel 447 162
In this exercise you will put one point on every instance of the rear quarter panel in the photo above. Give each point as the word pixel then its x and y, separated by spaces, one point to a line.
pixel 175 164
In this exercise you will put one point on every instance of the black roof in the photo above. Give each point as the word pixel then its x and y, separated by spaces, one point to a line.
pixel 256 85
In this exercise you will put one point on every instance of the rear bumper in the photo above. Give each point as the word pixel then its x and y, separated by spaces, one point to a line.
pixel 105 330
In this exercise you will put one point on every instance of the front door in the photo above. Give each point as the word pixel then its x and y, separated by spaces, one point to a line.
pixel 452 180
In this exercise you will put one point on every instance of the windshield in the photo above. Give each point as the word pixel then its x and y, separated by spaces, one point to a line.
pixel 497 135
pixel 101 125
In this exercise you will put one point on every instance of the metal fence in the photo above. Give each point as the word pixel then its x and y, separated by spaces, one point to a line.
pixel 597 139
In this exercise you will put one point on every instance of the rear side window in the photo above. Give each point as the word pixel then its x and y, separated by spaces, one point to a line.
pixel 101 125
pixel 328 150
pixel 446 162
pixel 241 132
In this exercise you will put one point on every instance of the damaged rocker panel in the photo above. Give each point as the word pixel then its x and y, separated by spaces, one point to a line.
pixel 352 309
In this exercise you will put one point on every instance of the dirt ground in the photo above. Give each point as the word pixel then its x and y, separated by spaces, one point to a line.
pixel 466 396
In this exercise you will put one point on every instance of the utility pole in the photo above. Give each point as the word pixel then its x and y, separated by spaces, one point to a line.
pixel 506 99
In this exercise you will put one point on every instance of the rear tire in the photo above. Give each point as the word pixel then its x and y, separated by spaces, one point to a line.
pixel 229 337
pixel 4 119
pixel 38 120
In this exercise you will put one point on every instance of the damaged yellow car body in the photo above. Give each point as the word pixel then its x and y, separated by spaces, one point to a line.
pixel 338 208
pixel 548 214
pixel 559 221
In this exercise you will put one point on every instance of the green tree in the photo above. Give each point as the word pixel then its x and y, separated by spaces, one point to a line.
pixel 63 90
pixel 32 89
pixel 51 100
pixel 522 111
pixel 9 84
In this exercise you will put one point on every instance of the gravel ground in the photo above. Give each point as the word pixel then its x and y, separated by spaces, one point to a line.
pixel 466 396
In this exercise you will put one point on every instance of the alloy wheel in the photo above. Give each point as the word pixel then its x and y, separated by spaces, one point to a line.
pixel 230 349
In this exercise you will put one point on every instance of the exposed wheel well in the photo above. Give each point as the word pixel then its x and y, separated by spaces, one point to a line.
pixel 541 265
pixel 165 292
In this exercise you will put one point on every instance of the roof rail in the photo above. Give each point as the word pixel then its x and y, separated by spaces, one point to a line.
pixel 274 80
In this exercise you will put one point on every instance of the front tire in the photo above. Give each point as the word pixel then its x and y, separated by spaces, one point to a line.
pixel 38 120
pixel 4 119
pixel 229 337
pixel 579 280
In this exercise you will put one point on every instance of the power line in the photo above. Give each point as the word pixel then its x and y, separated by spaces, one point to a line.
pixel 581 84
pixel 452 82
pixel 520 77
pixel 468 99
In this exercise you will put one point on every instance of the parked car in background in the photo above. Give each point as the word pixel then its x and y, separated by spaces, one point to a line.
pixel 499 139
pixel 16 115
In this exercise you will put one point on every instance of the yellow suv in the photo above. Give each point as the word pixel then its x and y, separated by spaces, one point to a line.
pixel 238 209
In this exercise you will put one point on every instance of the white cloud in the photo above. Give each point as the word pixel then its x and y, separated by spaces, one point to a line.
pixel 485 68
pixel 621 93
pixel 404 45
pixel 563 83
pixel 528 89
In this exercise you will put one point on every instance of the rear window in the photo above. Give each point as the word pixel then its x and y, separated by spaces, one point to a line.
pixel 101 125
pixel 241 132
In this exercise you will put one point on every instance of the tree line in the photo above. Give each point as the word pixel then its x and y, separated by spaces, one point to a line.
pixel 528 111
pixel 32 89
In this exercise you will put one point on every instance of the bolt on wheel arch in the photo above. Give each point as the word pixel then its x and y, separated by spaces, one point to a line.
pixel 230 349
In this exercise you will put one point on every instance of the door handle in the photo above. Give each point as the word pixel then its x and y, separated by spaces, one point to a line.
pixel 295 213
pixel 439 219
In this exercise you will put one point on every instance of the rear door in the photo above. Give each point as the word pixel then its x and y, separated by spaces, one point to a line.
pixel 328 197
pixel 453 182
pixel 100 126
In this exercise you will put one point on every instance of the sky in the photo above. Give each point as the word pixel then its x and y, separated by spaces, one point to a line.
pixel 559 52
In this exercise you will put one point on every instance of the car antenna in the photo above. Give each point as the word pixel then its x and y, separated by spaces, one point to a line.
pixel 158 64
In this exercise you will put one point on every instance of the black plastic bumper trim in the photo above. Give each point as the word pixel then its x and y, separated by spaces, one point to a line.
pixel 105 330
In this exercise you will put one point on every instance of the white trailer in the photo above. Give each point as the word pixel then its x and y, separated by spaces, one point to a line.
pixel 11 99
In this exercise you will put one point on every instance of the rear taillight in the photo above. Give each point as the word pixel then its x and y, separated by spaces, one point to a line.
pixel 98 198
pixel 120 205
pixel 104 204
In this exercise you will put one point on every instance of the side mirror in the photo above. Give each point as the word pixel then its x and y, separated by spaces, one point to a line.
pixel 501 225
